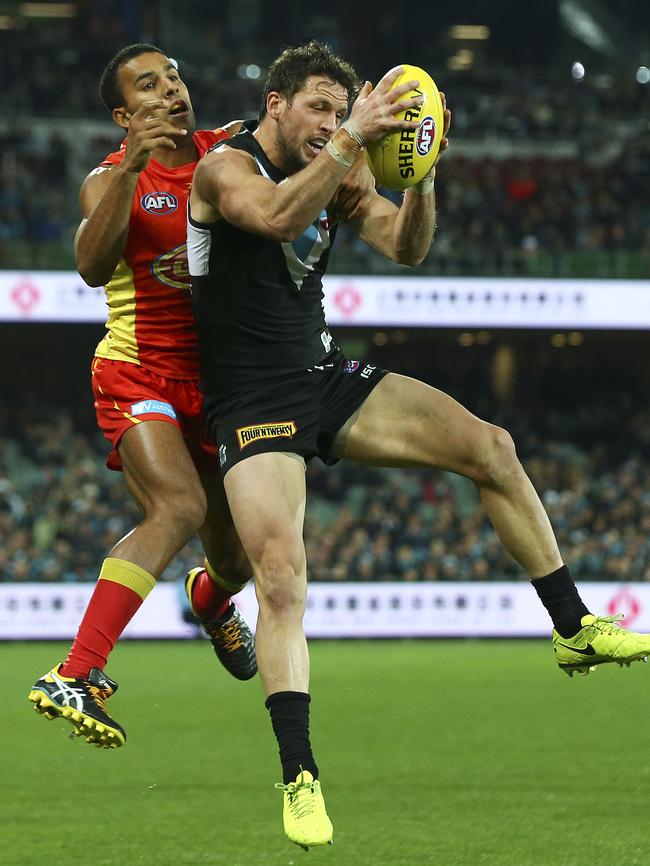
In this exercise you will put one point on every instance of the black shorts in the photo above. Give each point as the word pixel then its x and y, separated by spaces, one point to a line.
pixel 300 413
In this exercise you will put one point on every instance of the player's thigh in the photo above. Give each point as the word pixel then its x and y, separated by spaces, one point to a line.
pixel 405 422
pixel 219 536
pixel 266 493
pixel 158 468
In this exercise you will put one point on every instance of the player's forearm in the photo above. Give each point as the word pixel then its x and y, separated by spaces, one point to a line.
pixel 101 240
pixel 415 226
pixel 303 196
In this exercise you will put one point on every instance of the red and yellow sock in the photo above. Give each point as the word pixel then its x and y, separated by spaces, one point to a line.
pixel 211 594
pixel 120 590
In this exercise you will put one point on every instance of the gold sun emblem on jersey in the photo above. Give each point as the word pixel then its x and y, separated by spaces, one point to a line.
pixel 171 268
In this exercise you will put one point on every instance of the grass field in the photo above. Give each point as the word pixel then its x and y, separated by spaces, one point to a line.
pixel 442 753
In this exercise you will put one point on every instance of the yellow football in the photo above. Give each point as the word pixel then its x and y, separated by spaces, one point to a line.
pixel 402 159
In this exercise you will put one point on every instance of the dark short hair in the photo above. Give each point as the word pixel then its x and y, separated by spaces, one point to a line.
pixel 289 72
pixel 109 89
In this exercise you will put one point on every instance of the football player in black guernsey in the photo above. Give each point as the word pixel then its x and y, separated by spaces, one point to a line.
pixel 262 217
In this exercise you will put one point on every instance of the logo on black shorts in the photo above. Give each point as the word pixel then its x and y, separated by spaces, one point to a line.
pixel 279 430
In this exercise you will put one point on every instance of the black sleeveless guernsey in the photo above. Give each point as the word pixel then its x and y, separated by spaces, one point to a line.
pixel 257 302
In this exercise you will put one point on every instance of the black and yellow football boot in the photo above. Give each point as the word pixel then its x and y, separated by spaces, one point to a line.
pixel 231 638
pixel 81 702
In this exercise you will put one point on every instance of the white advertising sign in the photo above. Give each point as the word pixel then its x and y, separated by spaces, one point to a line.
pixel 36 611
pixel 431 302
pixel 49 296
pixel 473 302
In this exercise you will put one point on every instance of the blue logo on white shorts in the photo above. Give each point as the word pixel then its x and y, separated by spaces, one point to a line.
pixel 144 407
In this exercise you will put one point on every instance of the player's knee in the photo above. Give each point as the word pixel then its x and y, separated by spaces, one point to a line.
pixel 280 584
pixel 281 599
pixel 496 458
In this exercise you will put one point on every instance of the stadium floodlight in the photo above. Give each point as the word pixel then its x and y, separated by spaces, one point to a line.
pixel 469 31
pixel 578 71
pixel 48 10
pixel 643 75
pixel 581 23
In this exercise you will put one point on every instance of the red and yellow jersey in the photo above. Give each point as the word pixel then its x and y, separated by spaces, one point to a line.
pixel 150 320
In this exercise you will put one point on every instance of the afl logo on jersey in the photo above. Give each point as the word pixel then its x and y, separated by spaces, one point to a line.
pixel 159 203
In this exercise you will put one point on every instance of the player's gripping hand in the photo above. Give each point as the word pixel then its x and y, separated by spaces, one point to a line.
pixel 444 142
pixel 148 129
pixel 374 110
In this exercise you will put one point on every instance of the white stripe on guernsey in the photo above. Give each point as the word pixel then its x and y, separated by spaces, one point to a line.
pixel 199 241
pixel 299 269
pixel 68 694
pixel 263 171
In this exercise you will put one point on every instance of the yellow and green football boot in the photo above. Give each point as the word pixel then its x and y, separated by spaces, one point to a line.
pixel 306 821
pixel 599 641
pixel 82 703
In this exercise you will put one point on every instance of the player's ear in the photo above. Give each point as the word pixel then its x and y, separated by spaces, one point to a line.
pixel 121 116
pixel 273 103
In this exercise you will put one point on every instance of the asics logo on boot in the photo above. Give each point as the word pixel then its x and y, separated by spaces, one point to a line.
pixel 585 651
pixel 70 696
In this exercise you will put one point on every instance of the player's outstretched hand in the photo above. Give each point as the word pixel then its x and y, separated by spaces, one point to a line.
pixel 374 110
pixel 148 129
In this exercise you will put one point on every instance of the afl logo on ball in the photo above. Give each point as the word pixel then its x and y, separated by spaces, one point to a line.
pixel 159 203
pixel 425 136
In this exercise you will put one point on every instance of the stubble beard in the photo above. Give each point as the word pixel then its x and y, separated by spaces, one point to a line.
pixel 292 159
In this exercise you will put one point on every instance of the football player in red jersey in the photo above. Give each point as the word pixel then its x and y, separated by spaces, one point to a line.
pixel 145 381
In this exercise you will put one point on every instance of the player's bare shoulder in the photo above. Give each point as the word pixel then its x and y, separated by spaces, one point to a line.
pixel 94 186
pixel 221 169
pixel 222 160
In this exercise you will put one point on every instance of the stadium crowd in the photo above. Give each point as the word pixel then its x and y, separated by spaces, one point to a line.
pixel 556 217
pixel 551 217
pixel 54 70
pixel 567 214
pixel 61 509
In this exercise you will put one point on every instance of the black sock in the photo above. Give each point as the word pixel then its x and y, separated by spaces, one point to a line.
pixel 559 595
pixel 290 720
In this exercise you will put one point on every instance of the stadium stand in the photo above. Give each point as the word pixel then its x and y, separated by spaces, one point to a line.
pixel 60 509
pixel 529 188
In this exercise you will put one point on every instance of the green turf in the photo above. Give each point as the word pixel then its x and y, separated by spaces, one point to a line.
pixel 448 753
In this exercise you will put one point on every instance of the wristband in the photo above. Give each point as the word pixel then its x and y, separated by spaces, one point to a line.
pixel 426 184
pixel 337 156
pixel 354 131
